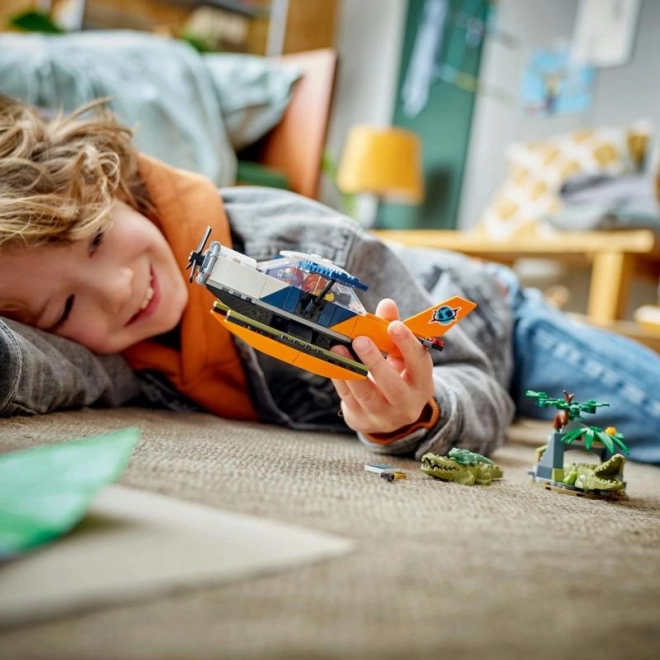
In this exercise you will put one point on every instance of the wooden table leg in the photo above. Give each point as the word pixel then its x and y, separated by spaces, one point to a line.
pixel 611 276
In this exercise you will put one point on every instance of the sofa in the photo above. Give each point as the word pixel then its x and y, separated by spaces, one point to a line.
pixel 436 569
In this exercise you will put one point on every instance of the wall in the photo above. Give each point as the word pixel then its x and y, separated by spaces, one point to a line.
pixel 444 122
pixel 369 42
pixel 621 95
pixel 370 38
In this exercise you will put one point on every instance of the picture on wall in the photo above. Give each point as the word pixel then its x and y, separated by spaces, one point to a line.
pixel 554 84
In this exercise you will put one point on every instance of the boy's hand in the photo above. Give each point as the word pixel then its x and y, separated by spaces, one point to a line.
pixel 397 389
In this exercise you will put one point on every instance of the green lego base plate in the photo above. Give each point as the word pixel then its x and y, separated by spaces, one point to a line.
pixel 576 492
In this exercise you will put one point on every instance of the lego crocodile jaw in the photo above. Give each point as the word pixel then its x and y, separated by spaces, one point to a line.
pixel 605 477
pixel 475 468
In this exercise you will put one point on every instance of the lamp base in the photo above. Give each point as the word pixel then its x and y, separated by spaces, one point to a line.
pixel 366 210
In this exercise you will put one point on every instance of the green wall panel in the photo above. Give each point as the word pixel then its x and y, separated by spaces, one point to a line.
pixel 444 123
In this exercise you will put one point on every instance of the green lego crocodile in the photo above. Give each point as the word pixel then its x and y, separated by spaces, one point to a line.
pixel 461 466
pixel 603 477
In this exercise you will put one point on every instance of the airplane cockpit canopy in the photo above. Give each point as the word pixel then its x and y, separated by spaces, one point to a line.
pixel 314 274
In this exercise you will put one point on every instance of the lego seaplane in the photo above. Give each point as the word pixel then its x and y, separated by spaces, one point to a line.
pixel 297 306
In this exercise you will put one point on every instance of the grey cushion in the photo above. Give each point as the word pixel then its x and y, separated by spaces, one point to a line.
pixel 159 86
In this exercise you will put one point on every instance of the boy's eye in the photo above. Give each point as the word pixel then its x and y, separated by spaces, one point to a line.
pixel 96 241
pixel 68 306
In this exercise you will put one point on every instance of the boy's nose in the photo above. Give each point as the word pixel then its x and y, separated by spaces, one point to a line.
pixel 116 290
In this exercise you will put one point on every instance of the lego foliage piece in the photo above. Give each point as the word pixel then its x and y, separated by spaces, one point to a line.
pixel 568 410
pixel 461 466
pixel 297 306
pixel 604 480
pixel 588 434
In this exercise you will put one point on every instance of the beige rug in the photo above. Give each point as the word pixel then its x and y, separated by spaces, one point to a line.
pixel 439 571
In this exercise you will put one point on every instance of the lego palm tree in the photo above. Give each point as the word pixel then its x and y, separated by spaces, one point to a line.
pixel 570 427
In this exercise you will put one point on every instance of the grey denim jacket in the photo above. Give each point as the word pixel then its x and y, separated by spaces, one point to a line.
pixel 40 373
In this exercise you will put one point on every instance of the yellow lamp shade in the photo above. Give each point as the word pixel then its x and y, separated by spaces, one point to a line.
pixel 384 162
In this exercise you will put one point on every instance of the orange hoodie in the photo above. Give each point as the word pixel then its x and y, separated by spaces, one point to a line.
pixel 207 367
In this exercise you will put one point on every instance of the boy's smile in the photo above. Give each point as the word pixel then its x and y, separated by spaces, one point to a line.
pixel 107 292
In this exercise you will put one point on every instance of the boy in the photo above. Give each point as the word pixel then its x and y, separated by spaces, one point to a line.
pixel 93 242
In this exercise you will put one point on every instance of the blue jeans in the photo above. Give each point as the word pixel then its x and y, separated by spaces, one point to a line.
pixel 553 352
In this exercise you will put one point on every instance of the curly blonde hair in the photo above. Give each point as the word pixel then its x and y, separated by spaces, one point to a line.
pixel 60 176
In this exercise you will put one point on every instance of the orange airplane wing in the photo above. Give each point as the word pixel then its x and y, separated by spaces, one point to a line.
pixel 435 321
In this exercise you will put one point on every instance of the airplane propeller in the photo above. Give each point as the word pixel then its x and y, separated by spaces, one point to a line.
pixel 196 257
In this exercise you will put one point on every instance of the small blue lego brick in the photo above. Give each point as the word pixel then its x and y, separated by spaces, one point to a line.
pixel 379 468
pixel 388 472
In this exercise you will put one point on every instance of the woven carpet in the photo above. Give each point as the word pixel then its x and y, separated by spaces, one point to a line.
pixel 440 571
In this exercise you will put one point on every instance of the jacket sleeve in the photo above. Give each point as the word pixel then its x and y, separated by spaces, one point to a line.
pixel 471 375
pixel 40 373
pixel 473 372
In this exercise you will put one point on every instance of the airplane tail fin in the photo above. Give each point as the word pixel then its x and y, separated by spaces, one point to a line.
pixel 435 321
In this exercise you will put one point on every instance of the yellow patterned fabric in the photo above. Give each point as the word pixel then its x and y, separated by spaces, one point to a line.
pixel 537 171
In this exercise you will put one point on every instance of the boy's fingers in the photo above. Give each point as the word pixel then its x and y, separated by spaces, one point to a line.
pixel 409 346
pixel 415 356
pixel 353 392
pixel 387 309
pixel 387 379
pixel 342 388
pixel 341 385
pixel 385 384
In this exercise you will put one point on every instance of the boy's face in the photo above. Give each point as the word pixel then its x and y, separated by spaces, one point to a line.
pixel 107 292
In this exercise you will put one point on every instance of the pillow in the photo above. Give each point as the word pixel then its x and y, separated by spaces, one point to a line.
pixel 253 93
pixel 537 171
pixel 157 85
